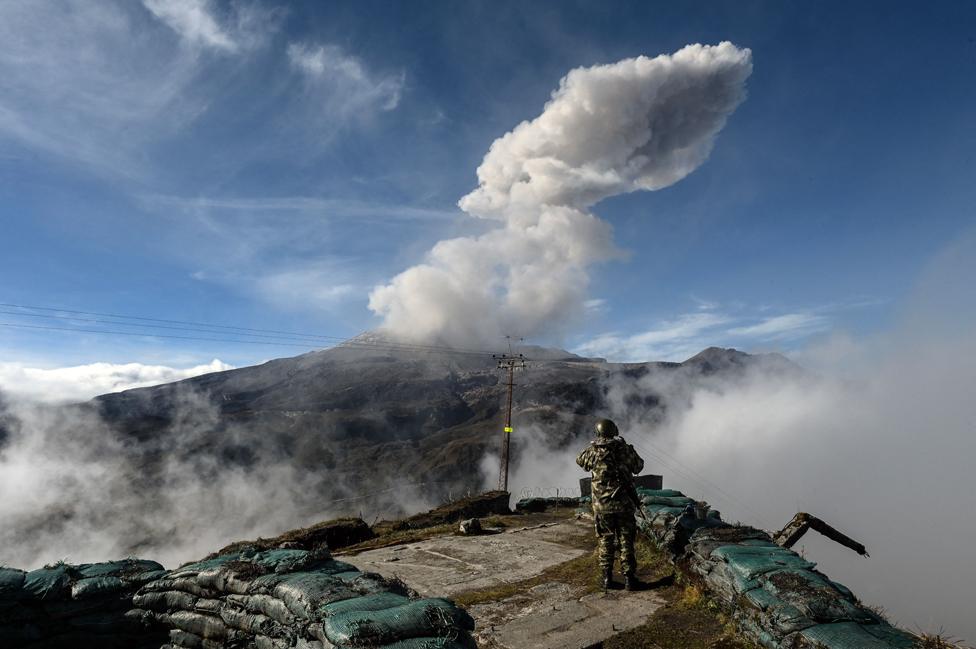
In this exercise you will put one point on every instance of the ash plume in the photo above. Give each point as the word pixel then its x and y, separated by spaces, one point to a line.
pixel 638 124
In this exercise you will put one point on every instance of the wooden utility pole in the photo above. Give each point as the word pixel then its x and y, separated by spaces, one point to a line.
pixel 509 362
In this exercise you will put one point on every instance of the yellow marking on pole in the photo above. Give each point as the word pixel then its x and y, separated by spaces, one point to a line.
pixel 508 429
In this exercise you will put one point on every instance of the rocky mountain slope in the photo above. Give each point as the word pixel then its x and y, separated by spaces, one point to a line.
pixel 368 417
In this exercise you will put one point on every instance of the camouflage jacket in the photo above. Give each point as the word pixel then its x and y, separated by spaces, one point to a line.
pixel 613 463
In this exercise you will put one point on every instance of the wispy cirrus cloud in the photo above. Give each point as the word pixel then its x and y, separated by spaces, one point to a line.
pixel 194 21
pixel 711 324
pixel 89 82
pixel 342 82
pixel 783 327
pixel 674 339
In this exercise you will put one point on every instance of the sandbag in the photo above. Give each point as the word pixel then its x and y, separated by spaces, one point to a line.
pixel 96 587
pixel 463 642
pixel 184 639
pixel 375 602
pixel 841 635
pixel 433 617
pixel 264 642
pixel 205 626
pixel 663 493
pixel 751 561
pixel 182 584
pixel 171 600
pixel 668 501
pixel 48 583
pixel 814 595
pixel 248 622
pixel 303 592
pixel 266 605
pixel 12 584
pixel 122 568
pixel 224 580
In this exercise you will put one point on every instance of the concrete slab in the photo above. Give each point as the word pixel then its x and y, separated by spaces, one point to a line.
pixel 447 565
pixel 552 615
pixel 561 621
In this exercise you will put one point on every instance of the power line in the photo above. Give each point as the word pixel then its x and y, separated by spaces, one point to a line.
pixel 281 338
pixel 232 328
pixel 148 335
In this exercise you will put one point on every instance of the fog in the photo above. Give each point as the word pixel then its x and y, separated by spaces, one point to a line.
pixel 73 488
pixel 877 437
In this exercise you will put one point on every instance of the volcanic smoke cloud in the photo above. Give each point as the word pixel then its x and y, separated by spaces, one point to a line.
pixel 639 123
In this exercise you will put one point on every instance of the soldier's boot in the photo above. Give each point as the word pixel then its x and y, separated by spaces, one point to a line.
pixel 608 578
pixel 631 582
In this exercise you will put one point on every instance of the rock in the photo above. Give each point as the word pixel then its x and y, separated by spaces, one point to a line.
pixel 471 526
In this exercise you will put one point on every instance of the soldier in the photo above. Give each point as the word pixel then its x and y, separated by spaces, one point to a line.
pixel 613 462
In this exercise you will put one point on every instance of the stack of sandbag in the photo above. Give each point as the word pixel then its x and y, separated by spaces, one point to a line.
pixel 76 606
pixel 775 596
pixel 538 504
pixel 670 517
pixel 275 599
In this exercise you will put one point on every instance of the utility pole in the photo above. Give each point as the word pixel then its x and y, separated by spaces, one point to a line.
pixel 509 362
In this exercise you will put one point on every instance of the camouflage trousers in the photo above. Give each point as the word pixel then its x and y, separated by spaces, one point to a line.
pixel 617 530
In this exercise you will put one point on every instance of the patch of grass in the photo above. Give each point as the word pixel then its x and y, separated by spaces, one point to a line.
pixel 938 641
pixel 689 619
pixel 581 573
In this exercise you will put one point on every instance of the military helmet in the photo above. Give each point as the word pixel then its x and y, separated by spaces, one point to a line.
pixel 606 428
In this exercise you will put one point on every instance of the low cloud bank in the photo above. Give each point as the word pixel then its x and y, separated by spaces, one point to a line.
pixel 73 487
pixel 82 382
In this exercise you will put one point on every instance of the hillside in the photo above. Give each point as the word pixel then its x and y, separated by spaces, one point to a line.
pixel 363 416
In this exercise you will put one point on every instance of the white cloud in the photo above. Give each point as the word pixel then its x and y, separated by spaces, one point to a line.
pixel 193 20
pixel 783 327
pixel 636 124
pixel 314 287
pixel 672 340
pixel 712 324
pixel 82 382
pixel 341 80
pixel 87 82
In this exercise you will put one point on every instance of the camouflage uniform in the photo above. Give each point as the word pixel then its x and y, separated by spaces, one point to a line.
pixel 613 463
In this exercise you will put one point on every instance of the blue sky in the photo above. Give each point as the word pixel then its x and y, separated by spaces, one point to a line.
pixel 266 165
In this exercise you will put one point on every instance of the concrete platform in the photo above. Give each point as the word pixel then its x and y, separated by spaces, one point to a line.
pixel 448 565
pixel 552 615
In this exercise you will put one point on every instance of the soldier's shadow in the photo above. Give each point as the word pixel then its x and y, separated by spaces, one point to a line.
pixel 662 582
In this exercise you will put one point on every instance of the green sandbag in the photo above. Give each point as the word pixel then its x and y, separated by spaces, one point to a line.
pixel 663 493
pixel 169 600
pixel 463 642
pixel 124 566
pixel 895 637
pixel 434 617
pixel 48 583
pixel 776 614
pixel 303 592
pixel 12 584
pixel 751 561
pixel 815 596
pixel 842 635
pixel 96 587
pixel 376 602
pixel 667 501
